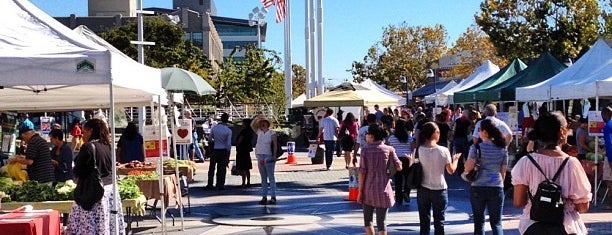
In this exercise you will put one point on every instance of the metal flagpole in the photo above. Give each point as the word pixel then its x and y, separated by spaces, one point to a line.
pixel 288 70
pixel 309 91
pixel 313 64
pixel 321 82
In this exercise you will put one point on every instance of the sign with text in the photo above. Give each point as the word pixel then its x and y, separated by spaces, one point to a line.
pixel 182 134
pixel 45 125
pixel 151 140
pixel 596 123
pixel 513 118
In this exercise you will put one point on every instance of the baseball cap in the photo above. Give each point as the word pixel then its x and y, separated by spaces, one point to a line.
pixel 24 129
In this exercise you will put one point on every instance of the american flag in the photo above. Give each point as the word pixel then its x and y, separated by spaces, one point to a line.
pixel 280 8
pixel 267 3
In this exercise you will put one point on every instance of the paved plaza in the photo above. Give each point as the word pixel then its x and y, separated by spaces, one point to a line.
pixel 312 201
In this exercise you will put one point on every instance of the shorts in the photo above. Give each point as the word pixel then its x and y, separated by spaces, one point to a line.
pixel 347 143
pixel 607 171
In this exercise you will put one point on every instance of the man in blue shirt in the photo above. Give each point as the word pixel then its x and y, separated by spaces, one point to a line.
pixel 606 114
pixel 222 137
pixel 25 121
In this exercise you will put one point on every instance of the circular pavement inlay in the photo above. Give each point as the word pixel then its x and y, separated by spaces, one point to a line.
pixel 267 220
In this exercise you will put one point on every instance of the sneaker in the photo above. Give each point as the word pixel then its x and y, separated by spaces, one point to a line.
pixel 272 201
pixel 209 187
pixel 263 201
pixel 406 198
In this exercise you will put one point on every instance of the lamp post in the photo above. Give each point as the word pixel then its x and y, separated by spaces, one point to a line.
pixel 403 79
pixel 431 73
pixel 258 17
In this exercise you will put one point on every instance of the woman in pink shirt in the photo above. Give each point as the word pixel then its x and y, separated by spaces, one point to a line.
pixel 551 132
pixel 375 192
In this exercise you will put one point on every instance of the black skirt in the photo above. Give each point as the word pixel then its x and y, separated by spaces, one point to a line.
pixel 243 161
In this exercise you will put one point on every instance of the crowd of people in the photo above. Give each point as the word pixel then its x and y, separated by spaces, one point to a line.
pixel 462 140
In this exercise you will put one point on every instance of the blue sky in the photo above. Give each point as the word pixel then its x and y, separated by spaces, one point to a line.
pixel 350 26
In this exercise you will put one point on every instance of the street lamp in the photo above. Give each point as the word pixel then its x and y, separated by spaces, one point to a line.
pixel 432 74
pixel 258 17
pixel 403 79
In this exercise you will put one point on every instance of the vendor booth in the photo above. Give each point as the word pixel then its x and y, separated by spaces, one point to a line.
pixel 504 74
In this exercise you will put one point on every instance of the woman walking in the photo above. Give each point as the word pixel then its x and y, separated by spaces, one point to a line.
pixel 488 189
pixel 76 134
pixel 400 140
pixel 265 150
pixel 375 192
pixel 347 137
pixel 433 193
pixel 551 132
pixel 99 219
pixel 244 147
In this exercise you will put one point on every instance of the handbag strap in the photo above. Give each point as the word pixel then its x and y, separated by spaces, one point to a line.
pixel 478 152
pixel 95 164
pixel 541 171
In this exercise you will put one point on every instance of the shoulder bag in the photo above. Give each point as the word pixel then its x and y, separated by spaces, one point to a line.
pixel 89 189
pixel 415 172
pixel 473 174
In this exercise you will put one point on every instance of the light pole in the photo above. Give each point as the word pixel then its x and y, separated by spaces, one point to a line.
pixel 258 17
pixel 431 73
pixel 403 79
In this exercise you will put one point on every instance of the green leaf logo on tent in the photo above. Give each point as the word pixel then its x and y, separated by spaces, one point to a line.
pixel 85 66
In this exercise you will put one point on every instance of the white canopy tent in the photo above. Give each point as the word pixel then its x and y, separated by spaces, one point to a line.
pixel 481 73
pixel 438 97
pixel 584 79
pixel 299 101
pixel 47 66
pixel 372 85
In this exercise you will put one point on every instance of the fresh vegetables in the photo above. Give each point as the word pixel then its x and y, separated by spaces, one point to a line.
pixel 64 191
pixel 128 189
pixel 32 191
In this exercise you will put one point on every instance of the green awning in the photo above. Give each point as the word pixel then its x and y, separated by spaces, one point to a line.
pixel 469 95
pixel 545 67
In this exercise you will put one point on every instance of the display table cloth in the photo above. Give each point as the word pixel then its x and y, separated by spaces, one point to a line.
pixel 150 189
pixel 35 222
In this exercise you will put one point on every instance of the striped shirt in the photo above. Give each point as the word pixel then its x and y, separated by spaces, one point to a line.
pixel 492 158
pixel 38 151
pixel 401 149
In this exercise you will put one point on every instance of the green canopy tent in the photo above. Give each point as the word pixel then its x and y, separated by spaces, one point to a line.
pixel 504 74
pixel 541 69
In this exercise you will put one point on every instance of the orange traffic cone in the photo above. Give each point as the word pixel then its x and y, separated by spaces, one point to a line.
pixel 291 159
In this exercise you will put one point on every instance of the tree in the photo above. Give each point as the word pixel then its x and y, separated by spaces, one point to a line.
pixel 170 48
pixel 606 14
pixel 525 28
pixel 299 80
pixel 473 48
pixel 404 51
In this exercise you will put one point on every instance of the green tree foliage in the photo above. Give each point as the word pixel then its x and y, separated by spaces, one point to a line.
pixel 404 50
pixel 299 80
pixel 170 48
pixel 473 48
pixel 525 28
pixel 607 19
pixel 252 80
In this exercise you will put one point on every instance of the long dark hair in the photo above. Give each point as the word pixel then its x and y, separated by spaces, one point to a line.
pixel 349 119
pixel 401 133
pixel 378 132
pixel 495 134
pixel 99 130
pixel 547 129
pixel 427 131
pixel 130 131
pixel 75 122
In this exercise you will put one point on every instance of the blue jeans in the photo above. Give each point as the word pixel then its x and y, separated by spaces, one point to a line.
pixel 196 146
pixel 427 200
pixel 492 199
pixel 266 166
pixel 330 146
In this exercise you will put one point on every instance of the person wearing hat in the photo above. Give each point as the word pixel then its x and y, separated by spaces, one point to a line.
pixel 25 121
pixel 222 137
pixel 37 156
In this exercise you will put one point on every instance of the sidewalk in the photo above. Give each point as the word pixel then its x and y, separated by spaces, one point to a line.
pixel 312 201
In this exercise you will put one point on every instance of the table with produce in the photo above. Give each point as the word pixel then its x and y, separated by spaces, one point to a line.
pixel 15 194
pixel 148 183
pixel 186 167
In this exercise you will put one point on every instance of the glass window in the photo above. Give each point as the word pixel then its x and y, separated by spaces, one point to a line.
pixel 197 39
pixel 234 30
pixel 232 44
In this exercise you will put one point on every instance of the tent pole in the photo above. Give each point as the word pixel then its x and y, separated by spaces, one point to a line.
pixel 178 182
pixel 111 120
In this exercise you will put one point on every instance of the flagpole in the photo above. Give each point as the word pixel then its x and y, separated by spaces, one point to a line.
pixel 313 64
pixel 320 46
pixel 288 63
pixel 309 82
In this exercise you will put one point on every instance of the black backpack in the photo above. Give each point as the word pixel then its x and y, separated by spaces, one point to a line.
pixel 547 204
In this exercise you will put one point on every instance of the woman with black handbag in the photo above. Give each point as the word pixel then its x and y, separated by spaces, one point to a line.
pixel 486 169
pixel 92 212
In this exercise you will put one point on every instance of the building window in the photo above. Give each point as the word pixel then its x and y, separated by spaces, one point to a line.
pixel 196 39
pixel 234 30
pixel 233 44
